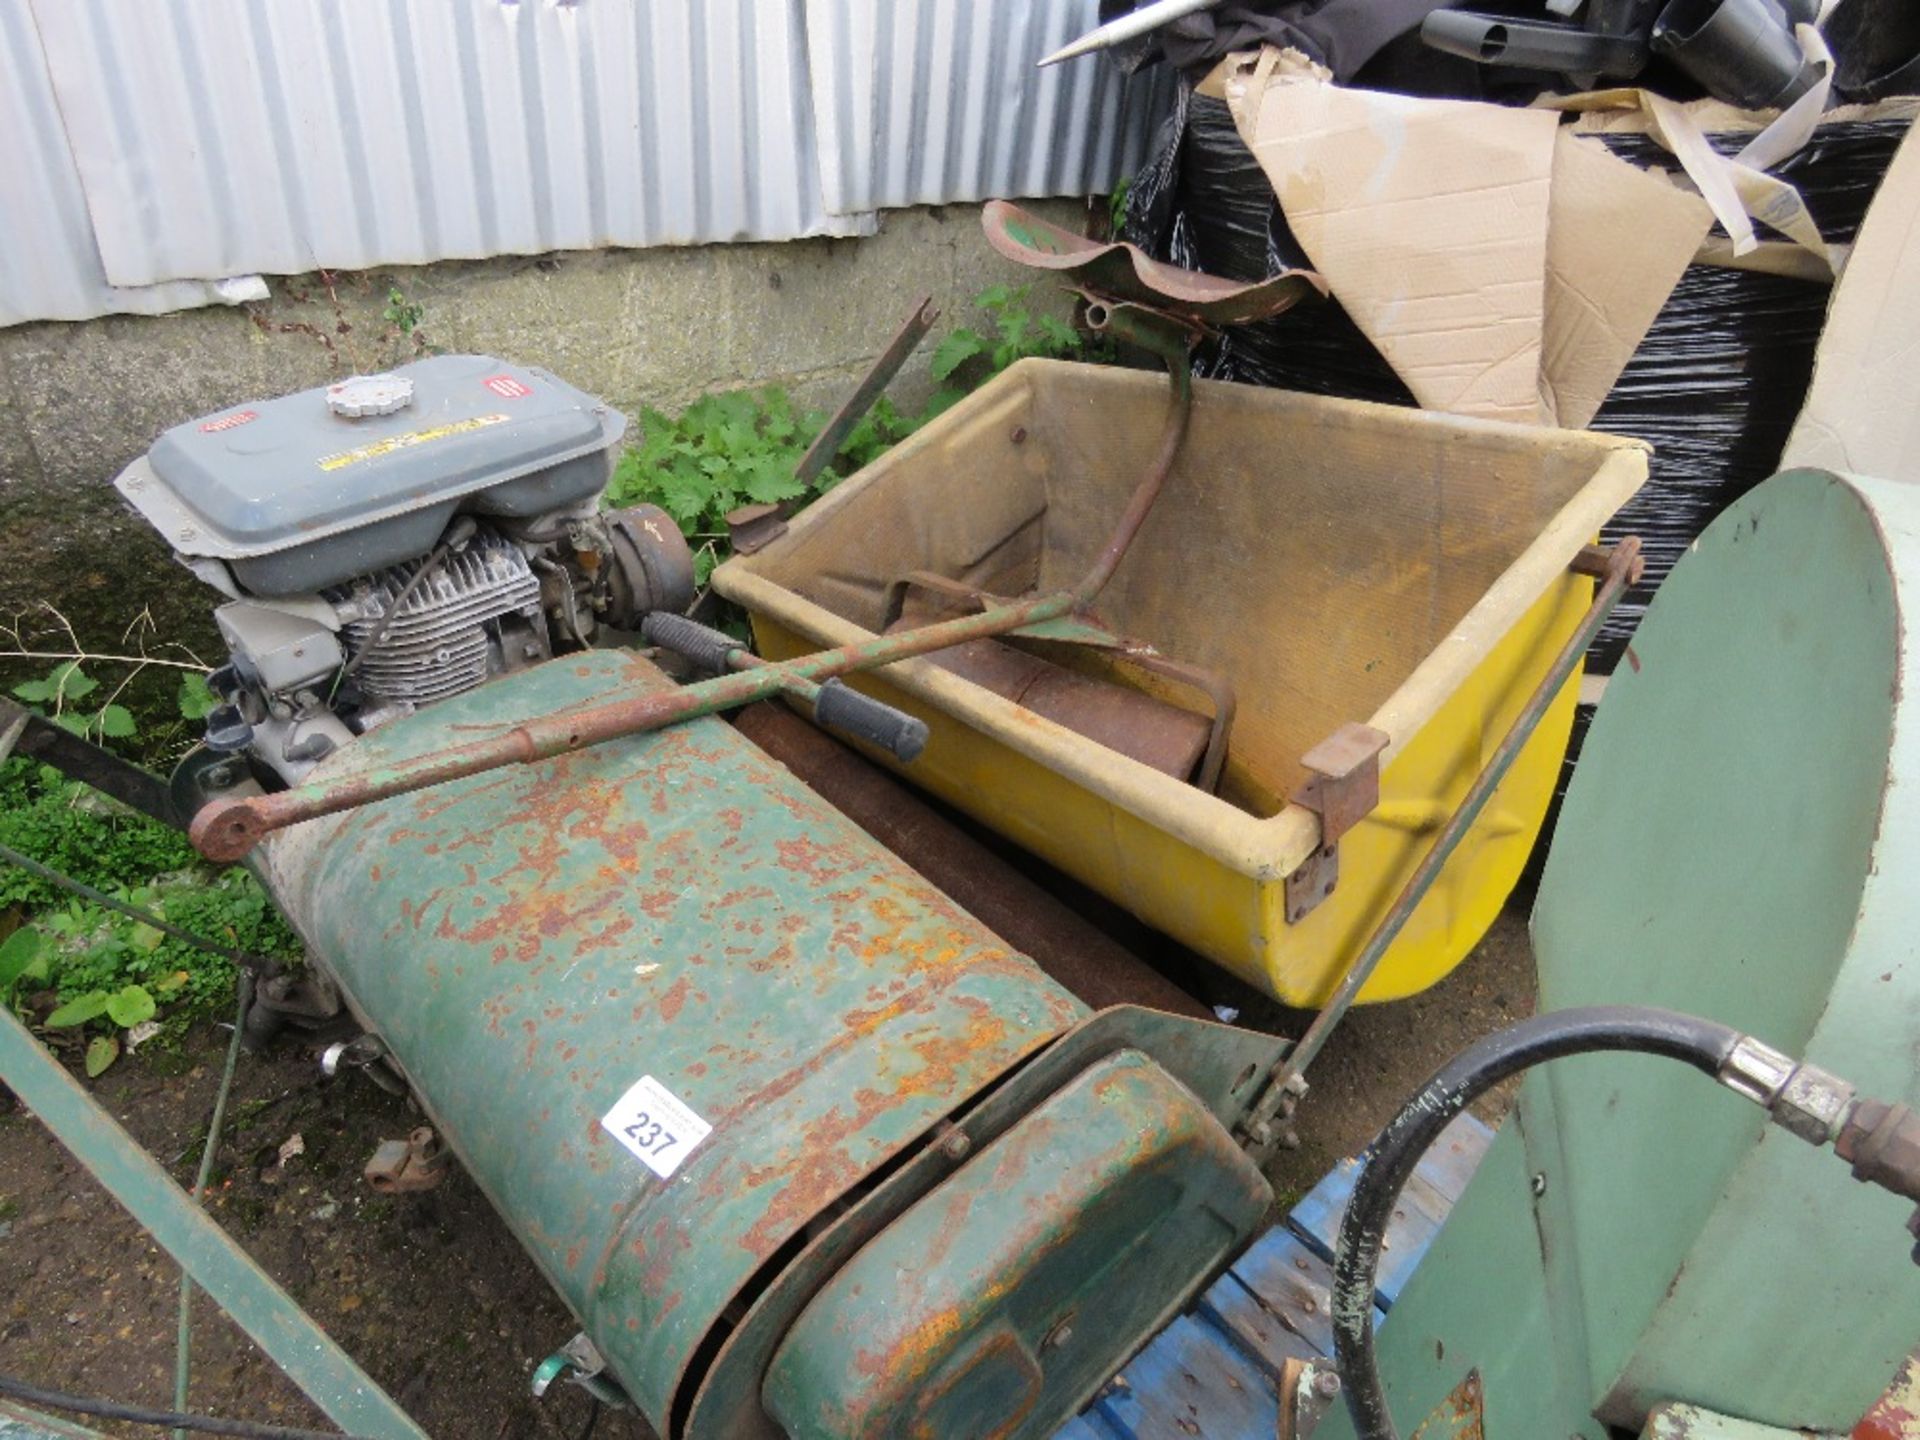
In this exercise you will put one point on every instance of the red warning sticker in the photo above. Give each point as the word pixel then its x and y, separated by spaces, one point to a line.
pixel 229 422
pixel 506 387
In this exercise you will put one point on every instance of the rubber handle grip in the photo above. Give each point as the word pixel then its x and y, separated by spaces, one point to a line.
pixel 842 708
pixel 708 648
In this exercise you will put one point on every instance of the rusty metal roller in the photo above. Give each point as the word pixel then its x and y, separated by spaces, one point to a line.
pixel 729 1071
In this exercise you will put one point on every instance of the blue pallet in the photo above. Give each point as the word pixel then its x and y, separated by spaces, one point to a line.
pixel 1212 1373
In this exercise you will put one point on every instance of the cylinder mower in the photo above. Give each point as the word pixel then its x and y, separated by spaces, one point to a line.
pixel 804 1146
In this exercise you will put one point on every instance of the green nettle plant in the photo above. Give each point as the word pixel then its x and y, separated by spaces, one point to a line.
pixel 1013 332
pixel 722 452
pixel 109 976
pixel 741 447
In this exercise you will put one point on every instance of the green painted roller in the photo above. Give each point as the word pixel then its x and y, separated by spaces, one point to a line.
pixel 756 1096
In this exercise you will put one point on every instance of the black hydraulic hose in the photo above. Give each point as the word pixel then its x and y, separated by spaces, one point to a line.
pixel 145 1415
pixel 1390 1160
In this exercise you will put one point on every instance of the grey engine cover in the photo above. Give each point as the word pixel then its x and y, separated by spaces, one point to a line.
pixel 294 497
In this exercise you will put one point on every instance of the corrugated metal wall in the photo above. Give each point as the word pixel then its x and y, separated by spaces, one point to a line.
pixel 164 144
pixel 920 102
pixel 49 266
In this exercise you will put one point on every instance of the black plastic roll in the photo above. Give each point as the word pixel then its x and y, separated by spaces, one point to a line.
pixel 1718 382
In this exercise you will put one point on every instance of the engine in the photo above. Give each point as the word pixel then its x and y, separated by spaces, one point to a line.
pixel 395 540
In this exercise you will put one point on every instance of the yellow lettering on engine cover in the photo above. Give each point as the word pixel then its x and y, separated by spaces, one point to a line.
pixel 401 442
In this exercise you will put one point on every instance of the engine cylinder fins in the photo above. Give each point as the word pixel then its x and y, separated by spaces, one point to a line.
pixel 443 638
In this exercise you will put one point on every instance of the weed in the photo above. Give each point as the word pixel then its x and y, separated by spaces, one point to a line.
pixel 67 687
pixel 1117 208
pixel 126 1008
pixel 80 833
pixel 722 452
pixel 741 447
pixel 735 449
pixel 349 348
pixel 73 697
pixel 23 961
pixel 967 356
pixel 111 973
pixel 401 313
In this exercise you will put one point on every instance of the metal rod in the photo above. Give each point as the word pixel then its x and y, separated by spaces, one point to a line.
pixel 827 443
pixel 226 829
pixel 1117 32
pixel 288 1335
pixel 1621 570
pixel 1218 690
pixel 24 733
pixel 1140 504
pixel 183 1338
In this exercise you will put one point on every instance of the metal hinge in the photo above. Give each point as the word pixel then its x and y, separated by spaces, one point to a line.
pixel 1343 788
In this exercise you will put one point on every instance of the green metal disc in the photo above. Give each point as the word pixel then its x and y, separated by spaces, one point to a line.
pixel 1739 842
pixel 1736 845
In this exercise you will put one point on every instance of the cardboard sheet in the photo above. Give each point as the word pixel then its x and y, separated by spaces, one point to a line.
pixel 1427 217
pixel 1618 240
pixel 1504 269
pixel 1863 409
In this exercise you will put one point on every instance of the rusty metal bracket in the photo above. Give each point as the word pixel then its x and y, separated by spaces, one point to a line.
pixel 1598 562
pixel 416 1163
pixel 580 1362
pixel 879 375
pixel 1459 1416
pixel 754 527
pixel 1342 788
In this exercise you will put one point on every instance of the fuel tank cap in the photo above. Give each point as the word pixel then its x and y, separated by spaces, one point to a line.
pixel 359 395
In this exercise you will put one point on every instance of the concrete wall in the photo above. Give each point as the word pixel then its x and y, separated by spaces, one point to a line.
pixel 654 327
